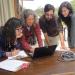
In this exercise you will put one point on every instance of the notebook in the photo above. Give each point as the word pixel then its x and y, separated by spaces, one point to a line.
pixel 13 65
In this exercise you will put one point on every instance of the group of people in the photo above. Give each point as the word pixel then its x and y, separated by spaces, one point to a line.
pixel 25 34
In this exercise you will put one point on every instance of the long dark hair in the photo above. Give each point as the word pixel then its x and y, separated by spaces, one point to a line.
pixel 66 20
pixel 68 6
pixel 9 31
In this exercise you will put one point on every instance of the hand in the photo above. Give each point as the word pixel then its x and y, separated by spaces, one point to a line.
pixel 32 50
pixel 12 53
pixel 15 52
pixel 8 54
pixel 64 47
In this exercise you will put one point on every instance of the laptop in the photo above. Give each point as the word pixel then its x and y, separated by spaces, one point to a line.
pixel 43 51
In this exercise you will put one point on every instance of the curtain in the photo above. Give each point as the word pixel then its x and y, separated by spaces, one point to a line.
pixel 6 10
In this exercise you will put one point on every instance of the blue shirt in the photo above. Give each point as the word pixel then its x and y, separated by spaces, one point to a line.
pixel 4 48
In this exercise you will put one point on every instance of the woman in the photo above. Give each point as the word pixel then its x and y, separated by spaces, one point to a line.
pixel 31 31
pixel 11 34
pixel 66 15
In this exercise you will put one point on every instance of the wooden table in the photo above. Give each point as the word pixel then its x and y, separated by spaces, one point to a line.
pixel 44 66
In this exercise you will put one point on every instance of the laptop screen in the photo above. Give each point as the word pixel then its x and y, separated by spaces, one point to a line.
pixel 44 51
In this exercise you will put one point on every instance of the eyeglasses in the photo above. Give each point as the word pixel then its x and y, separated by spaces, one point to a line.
pixel 19 29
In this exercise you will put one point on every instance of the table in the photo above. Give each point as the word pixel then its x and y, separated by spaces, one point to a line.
pixel 44 66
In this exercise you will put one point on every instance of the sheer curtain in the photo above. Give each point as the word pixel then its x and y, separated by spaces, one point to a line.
pixel 7 10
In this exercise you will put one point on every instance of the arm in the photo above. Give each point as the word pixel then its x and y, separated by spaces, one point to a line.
pixel 38 34
pixel 42 25
pixel 47 39
pixel 61 34
pixel 25 44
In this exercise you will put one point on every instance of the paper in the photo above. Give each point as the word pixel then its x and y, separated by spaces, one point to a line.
pixel 63 50
pixel 21 54
pixel 12 65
